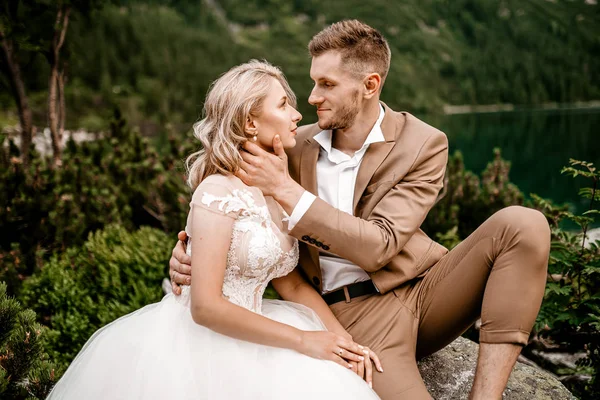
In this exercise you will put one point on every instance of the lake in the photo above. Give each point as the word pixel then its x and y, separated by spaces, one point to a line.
pixel 537 142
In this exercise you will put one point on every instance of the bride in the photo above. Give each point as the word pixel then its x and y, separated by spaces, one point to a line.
pixel 220 339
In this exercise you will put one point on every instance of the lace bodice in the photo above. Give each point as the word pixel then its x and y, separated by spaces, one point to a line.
pixel 260 248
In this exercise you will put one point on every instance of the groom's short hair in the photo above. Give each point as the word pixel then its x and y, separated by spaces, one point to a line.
pixel 363 48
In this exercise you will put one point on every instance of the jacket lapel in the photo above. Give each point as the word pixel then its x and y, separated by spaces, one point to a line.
pixel 308 165
pixel 308 180
pixel 376 153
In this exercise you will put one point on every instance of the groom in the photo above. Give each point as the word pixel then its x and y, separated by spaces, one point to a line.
pixel 367 177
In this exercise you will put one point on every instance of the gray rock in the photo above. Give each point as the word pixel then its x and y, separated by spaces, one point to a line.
pixel 592 236
pixel 448 374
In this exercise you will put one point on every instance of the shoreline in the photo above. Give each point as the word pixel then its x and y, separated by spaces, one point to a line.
pixel 450 109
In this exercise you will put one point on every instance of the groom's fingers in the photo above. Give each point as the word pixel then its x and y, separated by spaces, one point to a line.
pixel 180 261
pixel 247 168
pixel 176 288
pixel 180 279
pixel 243 175
pixel 253 149
pixel 278 147
pixel 250 158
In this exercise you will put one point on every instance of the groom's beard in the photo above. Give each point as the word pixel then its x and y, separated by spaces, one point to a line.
pixel 346 116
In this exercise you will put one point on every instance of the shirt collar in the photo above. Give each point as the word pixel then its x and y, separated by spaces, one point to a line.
pixel 324 138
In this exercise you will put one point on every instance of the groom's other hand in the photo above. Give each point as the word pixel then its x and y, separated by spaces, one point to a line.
pixel 180 264
pixel 269 172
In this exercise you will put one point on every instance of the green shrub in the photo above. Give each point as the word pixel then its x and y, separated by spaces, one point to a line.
pixel 93 123
pixel 117 179
pixel 469 200
pixel 570 313
pixel 114 273
pixel 25 370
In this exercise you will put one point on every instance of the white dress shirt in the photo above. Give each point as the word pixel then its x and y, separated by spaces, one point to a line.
pixel 336 178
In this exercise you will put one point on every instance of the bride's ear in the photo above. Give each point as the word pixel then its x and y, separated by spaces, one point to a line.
pixel 251 127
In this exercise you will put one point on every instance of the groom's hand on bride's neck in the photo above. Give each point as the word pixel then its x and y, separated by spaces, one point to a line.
pixel 269 172
pixel 180 264
pixel 262 169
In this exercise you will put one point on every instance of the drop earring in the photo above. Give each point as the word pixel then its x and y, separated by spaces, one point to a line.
pixel 254 138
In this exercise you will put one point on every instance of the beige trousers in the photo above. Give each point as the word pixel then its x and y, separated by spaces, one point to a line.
pixel 498 273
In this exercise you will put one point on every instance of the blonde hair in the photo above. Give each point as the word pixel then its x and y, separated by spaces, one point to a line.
pixel 231 100
pixel 363 48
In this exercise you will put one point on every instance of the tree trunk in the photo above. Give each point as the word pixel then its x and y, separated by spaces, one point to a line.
pixel 56 84
pixel 18 88
pixel 61 102
pixel 53 115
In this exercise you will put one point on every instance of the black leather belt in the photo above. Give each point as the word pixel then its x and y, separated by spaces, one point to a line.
pixel 354 290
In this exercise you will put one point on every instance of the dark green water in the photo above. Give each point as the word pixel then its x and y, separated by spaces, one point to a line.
pixel 538 144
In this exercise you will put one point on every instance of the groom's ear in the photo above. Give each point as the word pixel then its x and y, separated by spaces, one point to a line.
pixel 372 83
pixel 251 127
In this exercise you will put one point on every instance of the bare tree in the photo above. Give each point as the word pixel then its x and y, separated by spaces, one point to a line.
pixel 39 26
pixel 12 69
pixel 56 101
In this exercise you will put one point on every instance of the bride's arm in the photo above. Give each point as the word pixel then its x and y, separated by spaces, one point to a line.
pixel 294 288
pixel 211 233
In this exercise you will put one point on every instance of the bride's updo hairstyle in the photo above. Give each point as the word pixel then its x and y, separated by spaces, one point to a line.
pixel 231 100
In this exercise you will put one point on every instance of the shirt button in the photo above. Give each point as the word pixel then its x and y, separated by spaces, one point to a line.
pixel 316 281
pixel 312 241
pixel 319 244
pixel 306 238
pixel 325 247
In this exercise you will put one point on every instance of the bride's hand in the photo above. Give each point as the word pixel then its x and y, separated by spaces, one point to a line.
pixel 326 345
pixel 364 368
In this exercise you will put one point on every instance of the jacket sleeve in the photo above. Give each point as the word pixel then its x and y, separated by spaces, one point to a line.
pixel 371 243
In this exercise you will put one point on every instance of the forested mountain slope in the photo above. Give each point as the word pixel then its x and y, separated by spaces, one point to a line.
pixel 156 58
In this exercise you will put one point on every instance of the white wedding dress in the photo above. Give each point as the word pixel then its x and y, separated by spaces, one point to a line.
pixel 159 352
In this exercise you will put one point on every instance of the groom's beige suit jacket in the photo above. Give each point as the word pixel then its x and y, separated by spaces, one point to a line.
pixel 397 184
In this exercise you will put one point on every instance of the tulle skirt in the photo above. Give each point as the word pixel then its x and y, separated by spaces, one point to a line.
pixel 159 352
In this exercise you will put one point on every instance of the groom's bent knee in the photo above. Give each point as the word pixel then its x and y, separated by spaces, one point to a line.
pixel 530 227
pixel 522 218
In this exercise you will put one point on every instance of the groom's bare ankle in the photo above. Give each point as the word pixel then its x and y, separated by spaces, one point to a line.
pixel 494 365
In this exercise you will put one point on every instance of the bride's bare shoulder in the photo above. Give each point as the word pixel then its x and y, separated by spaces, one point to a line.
pixel 226 183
